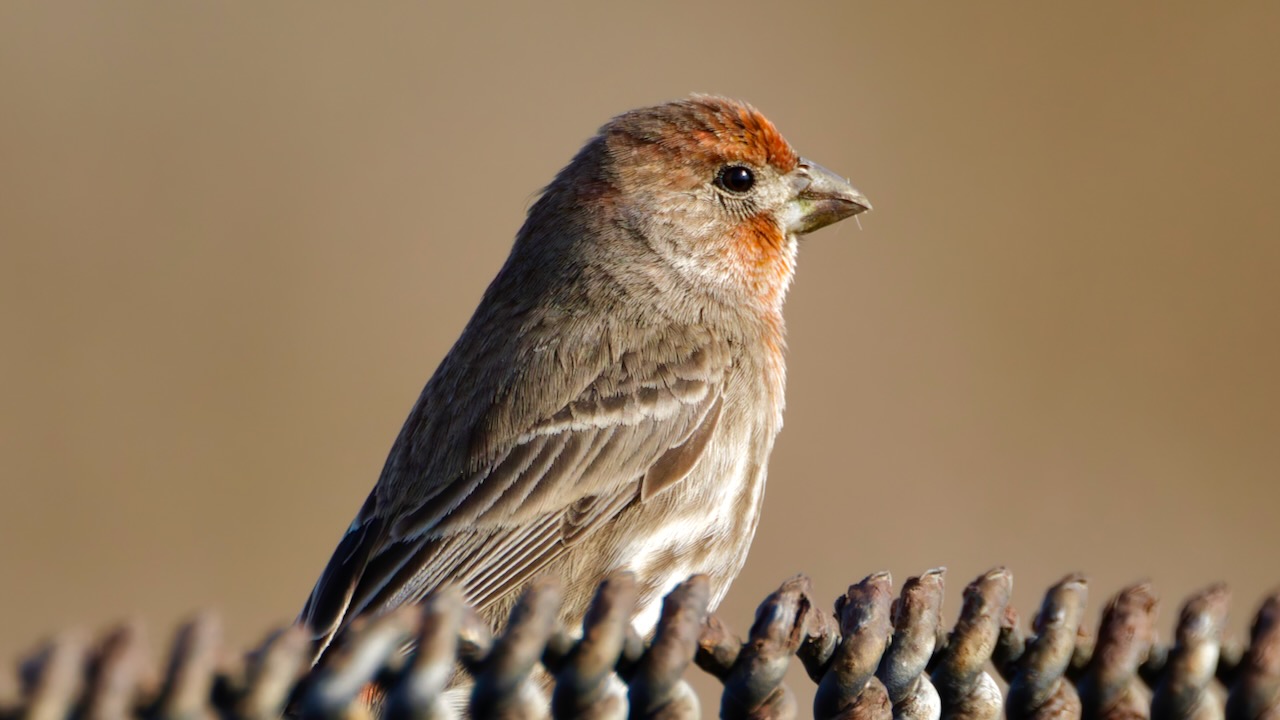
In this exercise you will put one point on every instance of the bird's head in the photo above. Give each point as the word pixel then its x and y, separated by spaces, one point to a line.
pixel 712 188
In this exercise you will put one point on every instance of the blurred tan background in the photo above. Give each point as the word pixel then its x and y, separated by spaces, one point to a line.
pixel 235 239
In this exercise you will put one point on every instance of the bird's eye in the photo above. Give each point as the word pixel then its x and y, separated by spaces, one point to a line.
pixel 736 179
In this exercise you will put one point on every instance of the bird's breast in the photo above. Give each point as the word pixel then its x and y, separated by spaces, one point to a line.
pixel 705 524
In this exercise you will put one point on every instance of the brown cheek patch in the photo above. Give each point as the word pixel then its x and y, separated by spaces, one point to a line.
pixel 759 252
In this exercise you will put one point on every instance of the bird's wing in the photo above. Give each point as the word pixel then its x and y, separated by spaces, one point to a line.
pixel 637 428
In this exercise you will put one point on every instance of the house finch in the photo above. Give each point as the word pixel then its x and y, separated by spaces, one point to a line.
pixel 613 401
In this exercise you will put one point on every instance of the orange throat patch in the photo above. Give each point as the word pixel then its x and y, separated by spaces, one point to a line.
pixel 761 255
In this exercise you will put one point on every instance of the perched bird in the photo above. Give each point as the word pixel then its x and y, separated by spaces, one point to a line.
pixel 613 401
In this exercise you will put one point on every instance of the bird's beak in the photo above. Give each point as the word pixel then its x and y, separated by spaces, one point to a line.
pixel 821 198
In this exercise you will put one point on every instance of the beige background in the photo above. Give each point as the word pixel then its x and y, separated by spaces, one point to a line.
pixel 236 238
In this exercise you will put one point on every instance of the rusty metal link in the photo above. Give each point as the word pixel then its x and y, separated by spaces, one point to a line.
pixel 1183 688
pixel 656 683
pixel 51 678
pixel 787 622
pixel 353 664
pixel 917 616
pixel 874 658
pixel 419 694
pixel 505 686
pixel 116 673
pixel 1040 689
pixel 269 674
pixel 1255 694
pixel 586 686
pixel 849 687
pixel 1110 688
pixel 966 690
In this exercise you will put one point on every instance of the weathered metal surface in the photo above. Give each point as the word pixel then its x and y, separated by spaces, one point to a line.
pixel 874 657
